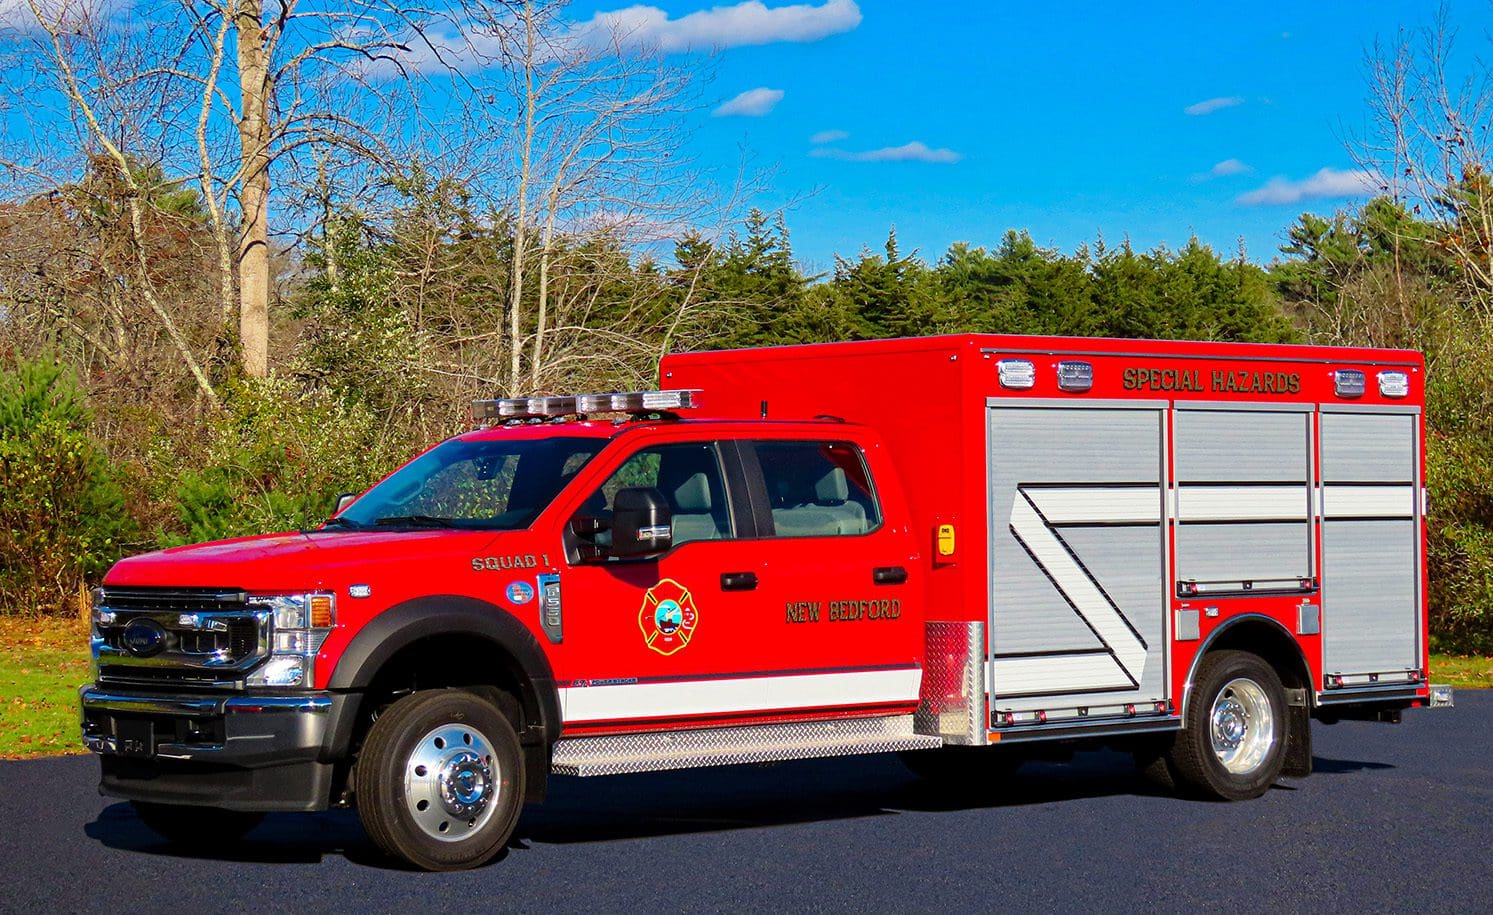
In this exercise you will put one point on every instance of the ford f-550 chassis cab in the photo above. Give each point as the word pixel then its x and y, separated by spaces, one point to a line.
pixel 965 549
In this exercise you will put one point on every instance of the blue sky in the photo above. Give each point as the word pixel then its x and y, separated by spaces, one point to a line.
pixel 955 121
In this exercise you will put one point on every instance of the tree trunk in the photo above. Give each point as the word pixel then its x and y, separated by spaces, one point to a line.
pixel 515 305
pixel 253 246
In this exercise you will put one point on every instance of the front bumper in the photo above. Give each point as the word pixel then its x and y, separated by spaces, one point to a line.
pixel 239 752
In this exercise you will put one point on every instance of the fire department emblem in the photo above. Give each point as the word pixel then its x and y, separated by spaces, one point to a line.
pixel 668 617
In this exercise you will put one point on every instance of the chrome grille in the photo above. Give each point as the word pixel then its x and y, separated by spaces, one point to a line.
pixel 197 636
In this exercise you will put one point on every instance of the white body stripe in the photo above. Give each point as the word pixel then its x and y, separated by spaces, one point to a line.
pixel 1098 505
pixel 1076 585
pixel 1242 503
pixel 1368 501
pixel 749 694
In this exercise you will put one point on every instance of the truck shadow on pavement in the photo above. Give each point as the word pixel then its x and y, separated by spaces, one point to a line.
pixel 695 801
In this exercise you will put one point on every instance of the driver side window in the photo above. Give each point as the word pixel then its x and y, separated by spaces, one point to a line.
pixel 687 476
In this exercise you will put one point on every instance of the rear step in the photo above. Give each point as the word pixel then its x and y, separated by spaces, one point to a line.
pixel 653 752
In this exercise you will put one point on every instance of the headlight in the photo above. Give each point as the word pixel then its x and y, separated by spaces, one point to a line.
pixel 299 624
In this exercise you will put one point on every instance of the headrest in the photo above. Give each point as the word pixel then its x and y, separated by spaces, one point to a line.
pixel 832 487
pixel 693 495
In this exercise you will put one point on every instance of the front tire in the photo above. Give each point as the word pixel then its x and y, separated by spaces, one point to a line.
pixel 1233 744
pixel 440 780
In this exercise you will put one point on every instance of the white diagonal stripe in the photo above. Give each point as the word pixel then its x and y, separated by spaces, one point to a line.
pixel 1076 585
pixel 1058 673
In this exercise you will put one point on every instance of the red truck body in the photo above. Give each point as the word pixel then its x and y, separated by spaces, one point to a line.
pixel 926 545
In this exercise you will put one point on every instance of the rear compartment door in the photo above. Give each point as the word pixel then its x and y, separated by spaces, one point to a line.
pixel 1371 528
pixel 1077 556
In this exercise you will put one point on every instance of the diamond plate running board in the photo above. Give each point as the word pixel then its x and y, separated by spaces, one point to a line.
pixel 656 751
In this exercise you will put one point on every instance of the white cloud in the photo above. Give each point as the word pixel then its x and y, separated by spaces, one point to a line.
pixel 828 136
pixel 1329 182
pixel 748 23
pixel 1229 167
pixel 916 151
pixel 753 103
pixel 1208 106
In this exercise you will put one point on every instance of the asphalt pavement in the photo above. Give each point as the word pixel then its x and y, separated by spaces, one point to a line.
pixel 1396 818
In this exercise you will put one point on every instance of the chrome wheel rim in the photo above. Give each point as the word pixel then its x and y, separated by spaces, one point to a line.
pixel 1242 725
pixel 451 782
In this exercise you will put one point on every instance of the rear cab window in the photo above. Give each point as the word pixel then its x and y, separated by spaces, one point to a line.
pixel 817 488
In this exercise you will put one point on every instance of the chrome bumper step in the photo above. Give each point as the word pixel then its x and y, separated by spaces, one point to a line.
pixel 661 750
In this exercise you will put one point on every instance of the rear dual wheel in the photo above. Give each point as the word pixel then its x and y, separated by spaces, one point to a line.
pixel 1233 744
pixel 440 781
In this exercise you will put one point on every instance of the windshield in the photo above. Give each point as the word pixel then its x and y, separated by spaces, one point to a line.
pixel 496 484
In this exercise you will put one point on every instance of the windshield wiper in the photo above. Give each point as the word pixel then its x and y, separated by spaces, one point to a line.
pixel 413 521
pixel 347 523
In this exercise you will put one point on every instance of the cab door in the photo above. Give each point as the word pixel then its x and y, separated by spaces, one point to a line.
pixel 667 640
pixel 842 625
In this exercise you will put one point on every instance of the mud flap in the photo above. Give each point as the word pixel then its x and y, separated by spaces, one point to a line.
pixel 1298 762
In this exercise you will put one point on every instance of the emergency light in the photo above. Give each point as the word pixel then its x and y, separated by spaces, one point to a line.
pixel 621 402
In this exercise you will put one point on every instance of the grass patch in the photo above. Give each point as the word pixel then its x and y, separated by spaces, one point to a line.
pixel 1462 672
pixel 45 660
pixel 43 663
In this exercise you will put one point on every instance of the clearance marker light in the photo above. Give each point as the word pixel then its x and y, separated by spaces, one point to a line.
pixel 1394 384
pixel 1075 377
pixel 1017 374
pixel 1348 382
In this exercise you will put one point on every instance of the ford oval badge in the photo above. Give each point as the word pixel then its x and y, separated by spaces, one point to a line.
pixel 143 638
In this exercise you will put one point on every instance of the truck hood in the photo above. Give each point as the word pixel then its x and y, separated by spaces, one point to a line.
pixel 296 561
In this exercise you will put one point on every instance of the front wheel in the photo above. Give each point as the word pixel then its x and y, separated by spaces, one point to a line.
pixel 440 780
pixel 1233 745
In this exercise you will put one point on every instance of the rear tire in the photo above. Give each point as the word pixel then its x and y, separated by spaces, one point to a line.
pixel 1233 744
pixel 440 780
pixel 199 827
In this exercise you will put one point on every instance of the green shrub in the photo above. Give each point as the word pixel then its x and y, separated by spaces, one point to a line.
pixel 1459 473
pixel 274 459
pixel 62 517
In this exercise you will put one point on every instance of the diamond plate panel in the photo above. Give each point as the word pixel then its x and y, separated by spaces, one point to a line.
pixel 657 751
pixel 953 692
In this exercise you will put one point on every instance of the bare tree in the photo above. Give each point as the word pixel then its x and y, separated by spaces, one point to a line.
pixel 224 93
pixel 596 124
pixel 1431 143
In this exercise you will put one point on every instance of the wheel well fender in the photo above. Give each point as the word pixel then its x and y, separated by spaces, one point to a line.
pixel 1260 635
pixel 444 616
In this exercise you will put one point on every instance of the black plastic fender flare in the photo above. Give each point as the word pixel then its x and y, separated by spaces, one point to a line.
pixel 451 614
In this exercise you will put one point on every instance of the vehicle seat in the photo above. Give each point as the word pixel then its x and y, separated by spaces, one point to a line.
pixel 826 512
pixel 693 518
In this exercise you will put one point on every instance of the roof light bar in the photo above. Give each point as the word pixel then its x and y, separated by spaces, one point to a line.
pixel 623 402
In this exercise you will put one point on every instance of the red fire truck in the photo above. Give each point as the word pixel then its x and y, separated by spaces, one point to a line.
pixel 966 549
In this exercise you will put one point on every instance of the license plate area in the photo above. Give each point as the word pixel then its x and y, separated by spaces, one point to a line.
pixel 134 736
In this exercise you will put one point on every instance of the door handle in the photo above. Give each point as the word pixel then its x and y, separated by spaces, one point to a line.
pixel 889 575
pixel 738 581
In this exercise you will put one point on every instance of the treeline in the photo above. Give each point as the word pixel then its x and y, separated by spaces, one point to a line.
pixel 383 335
pixel 219 309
